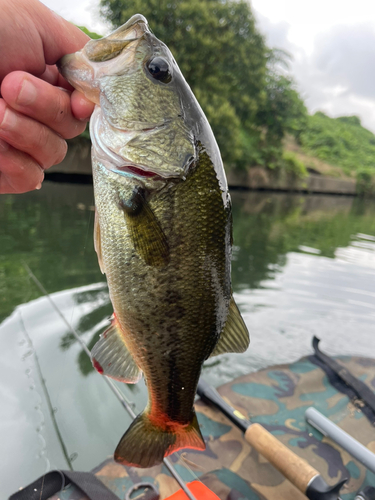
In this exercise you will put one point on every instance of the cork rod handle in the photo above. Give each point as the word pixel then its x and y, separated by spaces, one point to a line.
pixel 294 468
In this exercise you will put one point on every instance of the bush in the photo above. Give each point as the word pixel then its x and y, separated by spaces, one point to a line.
pixel 340 141
pixel 293 165
pixel 366 181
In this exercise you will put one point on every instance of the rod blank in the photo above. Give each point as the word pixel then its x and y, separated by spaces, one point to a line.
pixel 345 440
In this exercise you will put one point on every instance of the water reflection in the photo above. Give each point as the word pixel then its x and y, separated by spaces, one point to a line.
pixel 91 323
pixel 269 225
pixel 302 266
pixel 360 250
pixel 52 232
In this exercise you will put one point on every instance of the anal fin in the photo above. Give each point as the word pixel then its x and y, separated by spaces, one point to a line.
pixel 111 357
pixel 235 335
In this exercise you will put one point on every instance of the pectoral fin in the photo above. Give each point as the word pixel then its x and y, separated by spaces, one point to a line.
pixel 148 238
pixel 97 242
pixel 235 335
pixel 111 357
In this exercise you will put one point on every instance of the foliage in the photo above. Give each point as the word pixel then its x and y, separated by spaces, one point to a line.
pixel 91 34
pixel 340 141
pixel 365 181
pixel 293 165
pixel 282 111
pixel 232 73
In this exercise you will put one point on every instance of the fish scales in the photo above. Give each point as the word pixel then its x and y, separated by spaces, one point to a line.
pixel 170 308
pixel 162 234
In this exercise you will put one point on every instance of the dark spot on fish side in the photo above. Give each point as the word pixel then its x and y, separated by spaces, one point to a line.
pixel 134 205
pixel 98 367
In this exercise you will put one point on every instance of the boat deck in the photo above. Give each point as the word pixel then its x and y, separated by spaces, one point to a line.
pixel 277 398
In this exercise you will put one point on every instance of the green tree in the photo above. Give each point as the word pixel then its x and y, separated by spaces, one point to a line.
pixel 341 141
pixel 221 54
pixel 282 111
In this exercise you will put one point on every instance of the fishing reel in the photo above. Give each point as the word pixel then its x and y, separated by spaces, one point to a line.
pixel 367 493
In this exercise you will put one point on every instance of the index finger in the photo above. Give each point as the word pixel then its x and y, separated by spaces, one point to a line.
pixel 43 102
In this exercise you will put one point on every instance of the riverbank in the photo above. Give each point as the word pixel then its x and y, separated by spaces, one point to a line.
pixel 78 162
pixel 259 178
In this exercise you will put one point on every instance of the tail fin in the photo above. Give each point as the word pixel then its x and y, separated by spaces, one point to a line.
pixel 145 444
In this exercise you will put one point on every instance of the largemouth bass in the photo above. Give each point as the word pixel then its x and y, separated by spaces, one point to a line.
pixel 162 234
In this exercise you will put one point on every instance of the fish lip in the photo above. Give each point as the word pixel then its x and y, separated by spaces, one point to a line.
pixel 78 71
pixel 135 19
pixel 71 63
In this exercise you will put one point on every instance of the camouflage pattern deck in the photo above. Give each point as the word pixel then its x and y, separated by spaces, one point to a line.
pixel 277 398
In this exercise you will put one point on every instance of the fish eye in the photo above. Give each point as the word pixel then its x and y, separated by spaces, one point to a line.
pixel 158 68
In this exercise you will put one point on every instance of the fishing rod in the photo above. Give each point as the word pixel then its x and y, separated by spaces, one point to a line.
pixel 127 405
pixel 294 468
pixel 345 440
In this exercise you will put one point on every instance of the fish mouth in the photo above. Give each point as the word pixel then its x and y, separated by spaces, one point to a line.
pixel 78 71
pixel 101 57
pixel 136 170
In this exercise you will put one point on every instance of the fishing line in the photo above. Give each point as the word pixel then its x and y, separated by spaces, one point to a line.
pixel 46 395
pixel 85 244
pixel 185 462
pixel 128 405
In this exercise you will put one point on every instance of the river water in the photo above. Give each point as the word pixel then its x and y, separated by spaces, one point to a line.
pixel 302 266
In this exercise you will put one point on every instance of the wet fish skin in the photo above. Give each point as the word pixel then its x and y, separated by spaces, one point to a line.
pixel 163 234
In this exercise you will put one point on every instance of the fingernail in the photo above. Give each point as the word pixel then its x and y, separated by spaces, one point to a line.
pixel 39 185
pixel 27 94
pixel 9 120
pixel 4 146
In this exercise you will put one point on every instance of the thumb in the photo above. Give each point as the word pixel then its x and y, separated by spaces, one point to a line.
pixel 59 36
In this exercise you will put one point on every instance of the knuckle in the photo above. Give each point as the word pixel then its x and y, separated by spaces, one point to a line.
pixel 60 152
pixel 19 173
pixel 54 147
pixel 43 139
pixel 60 111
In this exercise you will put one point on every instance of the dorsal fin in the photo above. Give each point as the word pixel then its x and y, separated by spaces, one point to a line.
pixel 148 237
pixel 111 357
pixel 235 335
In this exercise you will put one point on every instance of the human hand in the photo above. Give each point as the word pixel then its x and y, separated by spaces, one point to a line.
pixel 36 112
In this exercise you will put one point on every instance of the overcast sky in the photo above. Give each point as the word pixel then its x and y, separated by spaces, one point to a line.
pixel 332 44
